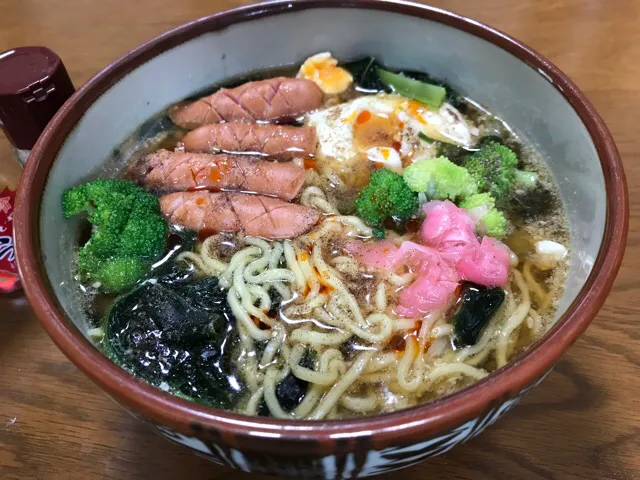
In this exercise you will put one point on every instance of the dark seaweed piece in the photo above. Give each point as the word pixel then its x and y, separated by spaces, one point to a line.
pixel 365 74
pixel 175 276
pixel 217 377
pixel 167 271
pixel 178 337
pixel 478 305
pixel 531 204
pixel 349 348
pixel 489 139
pixel 263 409
pixel 205 295
pixel 291 390
pixel 276 301
pixel 455 153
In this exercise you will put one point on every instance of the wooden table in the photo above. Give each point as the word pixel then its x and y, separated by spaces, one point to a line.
pixel 581 423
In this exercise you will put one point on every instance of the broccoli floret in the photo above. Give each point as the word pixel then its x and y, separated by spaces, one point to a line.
pixel 440 179
pixel 129 232
pixel 144 235
pixel 120 273
pixel 482 207
pixel 478 200
pixel 75 200
pixel 386 196
pixel 493 168
pixel 89 197
pixel 378 233
pixel 496 224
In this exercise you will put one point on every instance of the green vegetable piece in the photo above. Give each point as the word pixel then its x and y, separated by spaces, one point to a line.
pixel 478 200
pixel 481 206
pixel 439 178
pixel 144 235
pixel 129 233
pixel 496 224
pixel 493 168
pixel 378 233
pixel 386 196
pixel 75 200
pixel 120 273
pixel 455 153
pixel 432 95
pixel 425 138
pixel 526 179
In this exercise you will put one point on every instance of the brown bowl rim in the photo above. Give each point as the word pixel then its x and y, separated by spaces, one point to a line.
pixel 386 429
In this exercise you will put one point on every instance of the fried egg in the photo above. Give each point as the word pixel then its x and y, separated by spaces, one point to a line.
pixel 388 129
pixel 323 70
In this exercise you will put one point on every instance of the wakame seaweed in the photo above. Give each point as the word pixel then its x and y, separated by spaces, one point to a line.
pixel 478 305
pixel 529 205
pixel 179 337
pixel 365 74
pixel 292 390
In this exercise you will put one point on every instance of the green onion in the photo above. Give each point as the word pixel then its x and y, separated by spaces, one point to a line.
pixel 432 95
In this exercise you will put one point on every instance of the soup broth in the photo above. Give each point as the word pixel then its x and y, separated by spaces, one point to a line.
pixel 341 240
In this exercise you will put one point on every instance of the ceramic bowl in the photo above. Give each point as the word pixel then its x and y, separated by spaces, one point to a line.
pixel 518 84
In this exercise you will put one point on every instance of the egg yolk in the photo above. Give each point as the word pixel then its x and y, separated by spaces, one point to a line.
pixel 364 117
pixel 324 71
pixel 373 130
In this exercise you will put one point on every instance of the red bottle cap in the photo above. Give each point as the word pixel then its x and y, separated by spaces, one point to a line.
pixel 34 84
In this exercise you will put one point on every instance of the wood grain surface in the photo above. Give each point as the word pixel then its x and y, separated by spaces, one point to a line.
pixel 581 423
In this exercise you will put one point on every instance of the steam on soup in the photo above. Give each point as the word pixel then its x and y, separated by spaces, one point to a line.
pixel 320 243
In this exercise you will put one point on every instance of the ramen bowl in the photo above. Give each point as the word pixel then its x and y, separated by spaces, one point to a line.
pixel 513 81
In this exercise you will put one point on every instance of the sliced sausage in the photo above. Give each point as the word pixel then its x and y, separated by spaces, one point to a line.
pixel 256 215
pixel 276 99
pixel 173 171
pixel 279 141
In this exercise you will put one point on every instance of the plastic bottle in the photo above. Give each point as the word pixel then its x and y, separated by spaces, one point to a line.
pixel 34 84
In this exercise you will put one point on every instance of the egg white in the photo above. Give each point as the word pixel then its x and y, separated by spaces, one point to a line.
pixel 335 129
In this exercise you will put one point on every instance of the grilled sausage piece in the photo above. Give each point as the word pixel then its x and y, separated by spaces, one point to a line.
pixel 256 215
pixel 173 171
pixel 276 99
pixel 283 142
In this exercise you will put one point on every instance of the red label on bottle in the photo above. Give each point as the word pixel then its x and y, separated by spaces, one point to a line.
pixel 8 268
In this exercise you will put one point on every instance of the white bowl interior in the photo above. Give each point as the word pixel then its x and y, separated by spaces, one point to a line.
pixel 522 96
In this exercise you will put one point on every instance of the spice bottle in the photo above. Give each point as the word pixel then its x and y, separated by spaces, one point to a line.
pixel 34 84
